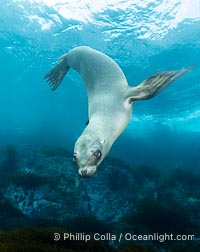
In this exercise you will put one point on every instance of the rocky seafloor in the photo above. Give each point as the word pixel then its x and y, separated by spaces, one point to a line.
pixel 41 192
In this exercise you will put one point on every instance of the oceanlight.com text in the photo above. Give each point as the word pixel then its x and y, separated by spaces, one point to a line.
pixel 158 237
pixel 122 236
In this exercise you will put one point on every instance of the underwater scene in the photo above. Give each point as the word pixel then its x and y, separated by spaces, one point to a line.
pixel 131 182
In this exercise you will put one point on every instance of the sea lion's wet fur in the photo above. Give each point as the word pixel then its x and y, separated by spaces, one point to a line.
pixel 110 101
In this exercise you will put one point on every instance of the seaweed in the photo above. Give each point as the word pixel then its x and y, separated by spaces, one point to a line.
pixel 50 151
pixel 42 240
pixel 143 172
pixel 114 161
pixel 7 208
pixel 12 160
pixel 132 247
pixel 89 225
pixel 188 246
pixel 30 181
pixel 153 216
pixel 187 178
pixel 10 216
pixel 117 180
pixel 9 165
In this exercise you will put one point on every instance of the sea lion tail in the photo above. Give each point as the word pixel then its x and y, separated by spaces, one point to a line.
pixel 155 84
pixel 55 76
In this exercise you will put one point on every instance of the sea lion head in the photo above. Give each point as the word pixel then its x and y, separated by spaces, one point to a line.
pixel 89 151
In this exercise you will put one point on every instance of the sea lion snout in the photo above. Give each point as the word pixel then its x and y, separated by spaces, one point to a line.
pixel 87 172
pixel 88 154
pixel 87 165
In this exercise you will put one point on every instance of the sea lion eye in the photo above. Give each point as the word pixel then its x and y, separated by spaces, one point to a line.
pixel 75 158
pixel 97 154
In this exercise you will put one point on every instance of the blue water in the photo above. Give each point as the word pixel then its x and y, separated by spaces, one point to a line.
pixel 144 37
pixel 150 181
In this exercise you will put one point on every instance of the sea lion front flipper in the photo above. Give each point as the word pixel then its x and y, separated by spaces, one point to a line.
pixel 155 84
pixel 55 76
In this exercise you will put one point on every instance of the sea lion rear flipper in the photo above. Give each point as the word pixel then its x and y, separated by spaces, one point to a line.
pixel 55 76
pixel 155 84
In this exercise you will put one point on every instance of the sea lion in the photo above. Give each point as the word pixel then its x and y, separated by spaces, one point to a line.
pixel 110 101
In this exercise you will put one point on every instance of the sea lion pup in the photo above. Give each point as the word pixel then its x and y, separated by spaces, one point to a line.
pixel 110 101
